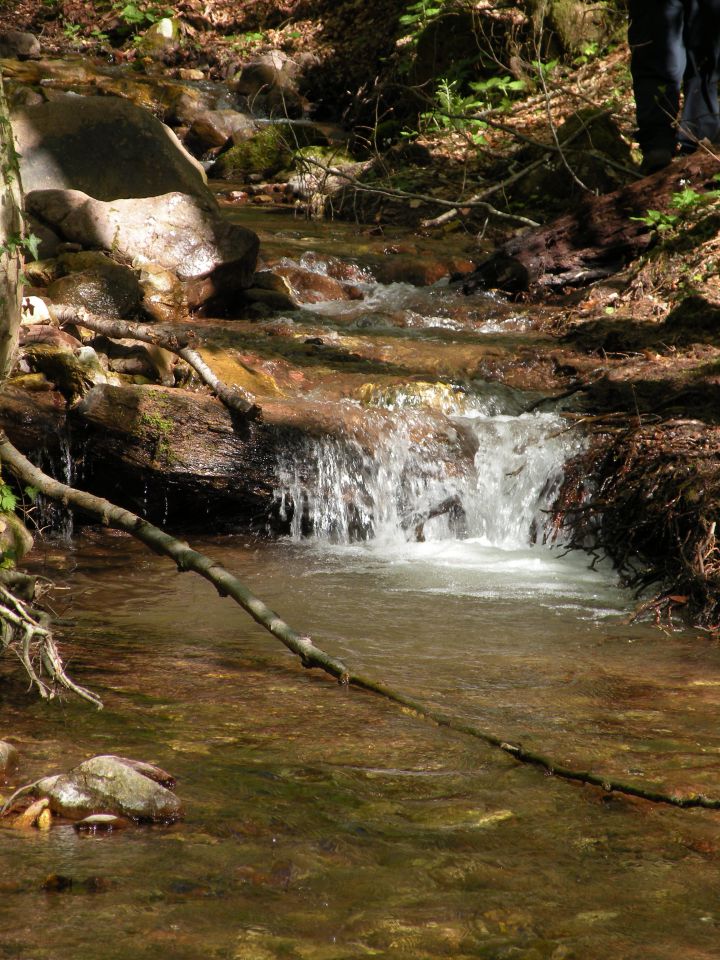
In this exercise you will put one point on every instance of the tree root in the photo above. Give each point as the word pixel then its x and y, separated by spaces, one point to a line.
pixel 235 398
pixel 302 646
pixel 22 634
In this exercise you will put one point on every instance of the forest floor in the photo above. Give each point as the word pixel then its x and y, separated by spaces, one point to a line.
pixel 641 348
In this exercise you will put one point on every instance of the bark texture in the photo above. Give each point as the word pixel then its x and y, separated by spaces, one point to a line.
pixel 11 231
pixel 597 239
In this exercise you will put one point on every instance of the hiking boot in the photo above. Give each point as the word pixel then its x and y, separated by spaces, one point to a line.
pixel 656 159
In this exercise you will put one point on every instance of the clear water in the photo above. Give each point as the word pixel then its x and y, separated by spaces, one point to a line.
pixel 323 823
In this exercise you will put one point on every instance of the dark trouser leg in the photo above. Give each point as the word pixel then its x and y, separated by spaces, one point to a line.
pixel 701 115
pixel 658 64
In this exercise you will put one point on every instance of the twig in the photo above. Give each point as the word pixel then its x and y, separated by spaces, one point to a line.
pixel 556 147
pixel 426 198
pixel 310 655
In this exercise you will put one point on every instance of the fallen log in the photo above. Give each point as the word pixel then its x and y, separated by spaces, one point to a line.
pixel 597 239
pixel 234 397
pixel 302 645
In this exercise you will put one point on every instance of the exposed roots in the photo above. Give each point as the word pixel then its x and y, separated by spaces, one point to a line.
pixel 22 633
pixel 652 506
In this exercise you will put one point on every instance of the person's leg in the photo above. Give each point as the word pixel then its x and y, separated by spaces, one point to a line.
pixel 657 63
pixel 701 114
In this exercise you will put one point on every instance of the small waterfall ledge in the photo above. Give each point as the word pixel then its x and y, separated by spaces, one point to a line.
pixel 475 472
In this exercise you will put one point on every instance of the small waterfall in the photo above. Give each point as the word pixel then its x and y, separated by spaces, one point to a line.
pixel 483 474
pixel 52 516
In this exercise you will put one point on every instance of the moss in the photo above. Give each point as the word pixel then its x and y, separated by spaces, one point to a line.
pixel 160 427
pixel 154 420
pixel 266 153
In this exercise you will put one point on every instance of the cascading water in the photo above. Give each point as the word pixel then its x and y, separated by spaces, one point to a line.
pixel 475 471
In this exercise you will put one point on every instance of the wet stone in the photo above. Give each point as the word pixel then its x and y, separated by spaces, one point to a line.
pixel 101 823
pixel 108 784
pixel 9 757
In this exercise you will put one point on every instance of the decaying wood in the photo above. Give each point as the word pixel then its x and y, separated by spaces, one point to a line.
pixel 235 398
pixel 597 239
pixel 302 645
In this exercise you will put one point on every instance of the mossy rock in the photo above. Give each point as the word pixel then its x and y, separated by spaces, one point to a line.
pixel 268 152
pixel 15 539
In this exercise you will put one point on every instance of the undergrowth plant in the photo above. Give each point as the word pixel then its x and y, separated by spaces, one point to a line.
pixel 685 202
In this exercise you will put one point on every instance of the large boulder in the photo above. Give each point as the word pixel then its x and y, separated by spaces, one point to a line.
pixel 213 258
pixel 16 43
pixel 107 147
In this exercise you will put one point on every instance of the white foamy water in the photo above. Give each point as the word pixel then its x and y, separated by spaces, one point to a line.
pixel 487 477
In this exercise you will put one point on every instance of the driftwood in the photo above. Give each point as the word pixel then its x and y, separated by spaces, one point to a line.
pixel 595 240
pixel 233 397
pixel 301 645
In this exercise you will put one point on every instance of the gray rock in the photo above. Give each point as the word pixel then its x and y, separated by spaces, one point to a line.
pixel 163 295
pixel 105 146
pixel 160 39
pixel 273 81
pixel 49 242
pixel 96 282
pixel 213 128
pixel 108 784
pixel 17 43
pixel 9 757
pixel 212 257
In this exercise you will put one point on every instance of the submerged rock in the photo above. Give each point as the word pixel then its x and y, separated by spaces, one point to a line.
pixel 308 286
pixel 114 785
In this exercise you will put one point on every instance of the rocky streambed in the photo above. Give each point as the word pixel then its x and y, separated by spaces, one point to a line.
pixel 332 327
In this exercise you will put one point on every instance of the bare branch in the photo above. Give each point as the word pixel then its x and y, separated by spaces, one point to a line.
pixel 233 397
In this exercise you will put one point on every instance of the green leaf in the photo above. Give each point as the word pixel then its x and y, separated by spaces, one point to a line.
pixel 8 500
pixel 31 244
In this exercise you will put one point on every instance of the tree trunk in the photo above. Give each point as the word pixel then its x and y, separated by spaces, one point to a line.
pixel 596 240
pixel 11 227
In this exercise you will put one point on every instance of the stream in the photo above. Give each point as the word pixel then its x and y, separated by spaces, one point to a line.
pixel 324 823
